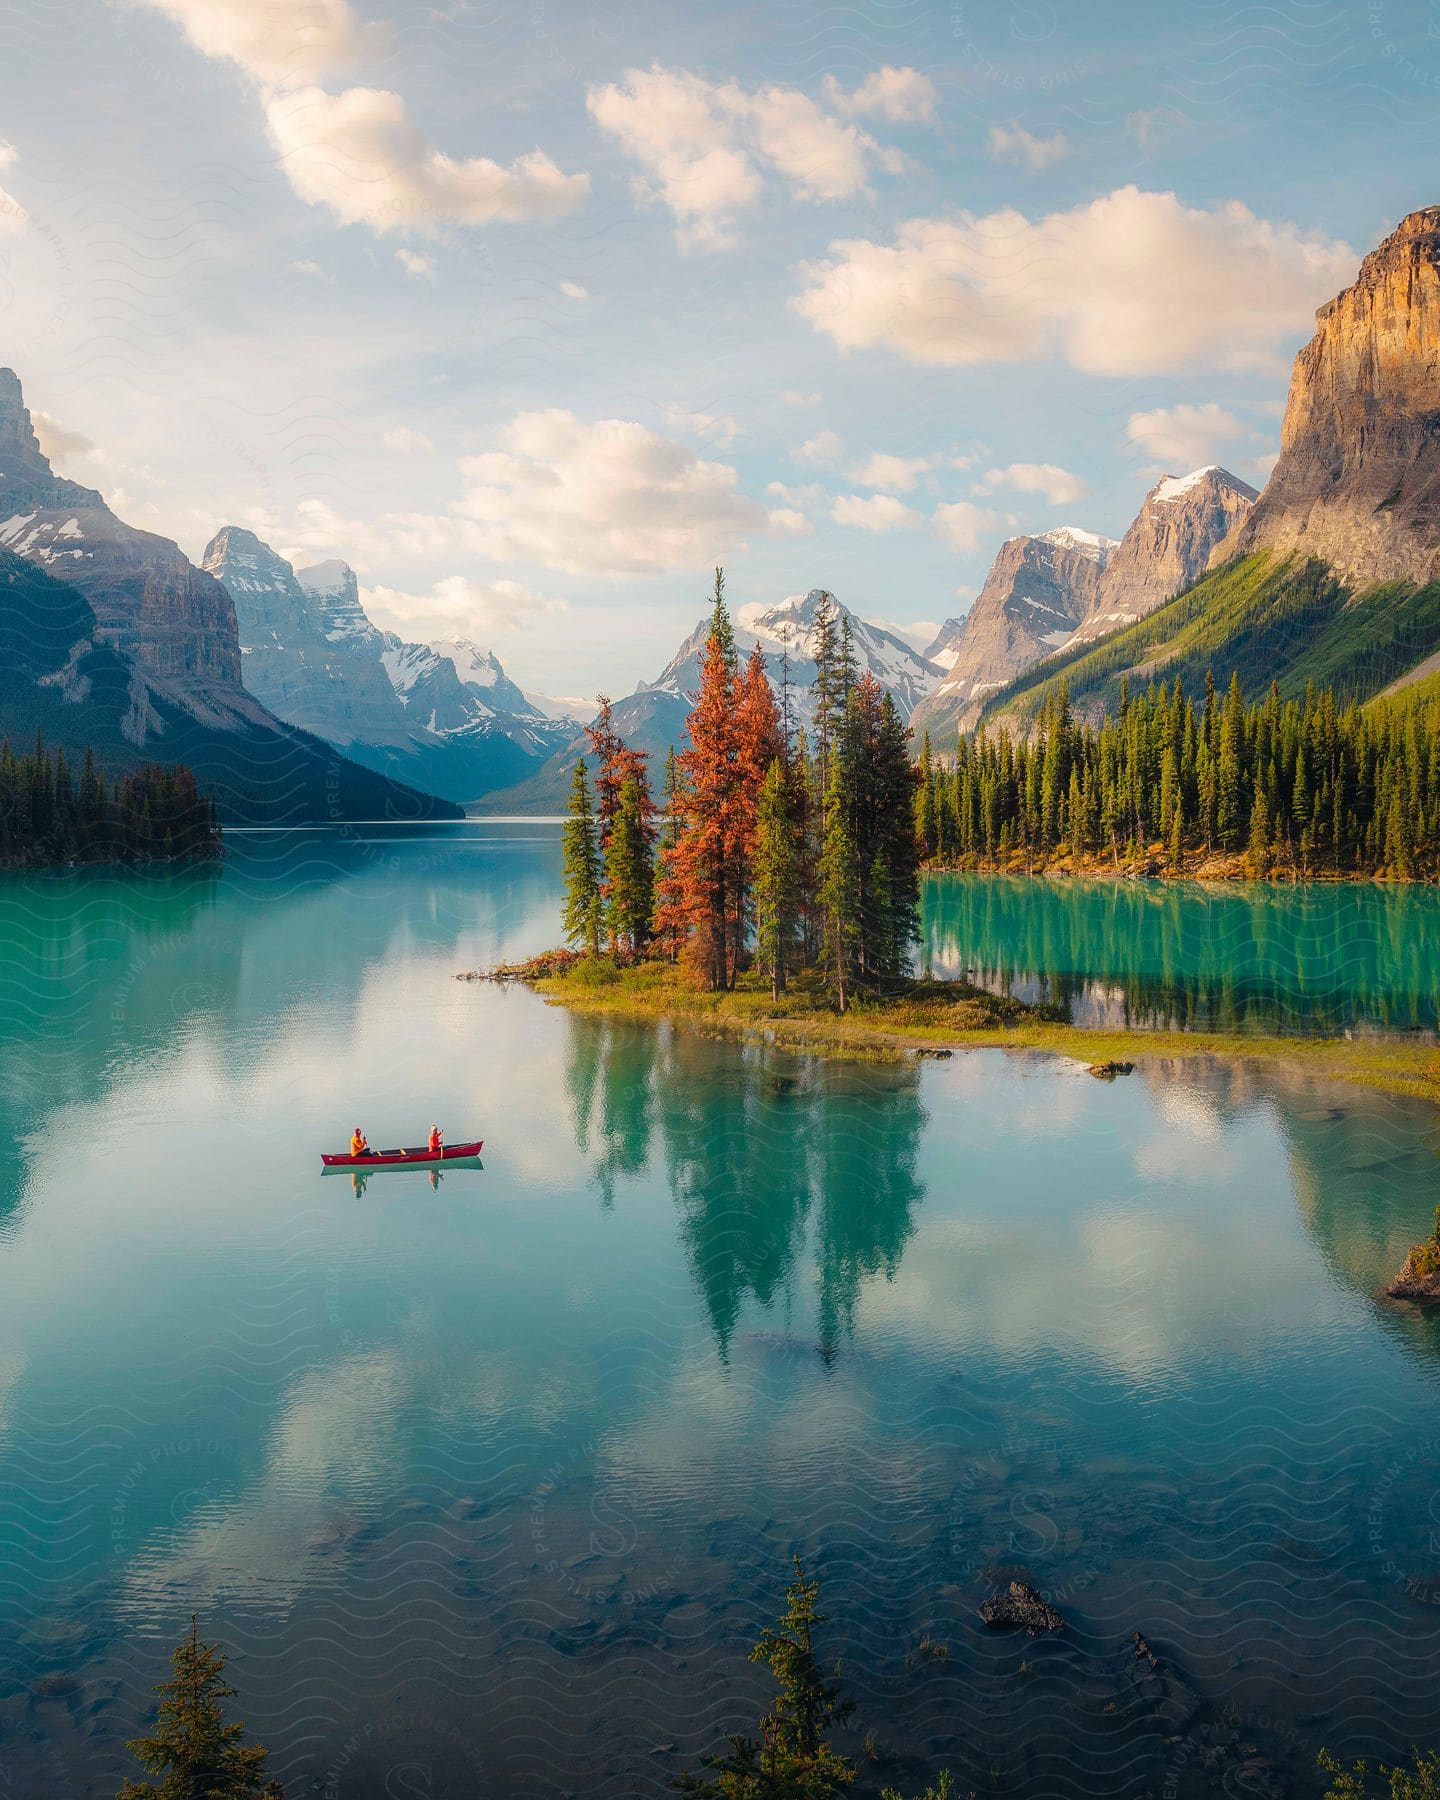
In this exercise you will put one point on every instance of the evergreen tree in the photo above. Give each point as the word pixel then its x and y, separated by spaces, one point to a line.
pixel 709 863
pixel 792 1757
pixel 195 1751
pixel 584 914
pixel 672 918
pixel 833 657
pixel 630 868
pixel 841 891
pixel 776 870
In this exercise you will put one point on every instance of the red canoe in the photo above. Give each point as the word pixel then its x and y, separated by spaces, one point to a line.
pixel 388 1159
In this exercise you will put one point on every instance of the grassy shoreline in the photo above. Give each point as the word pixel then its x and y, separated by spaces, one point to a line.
pixel 937 1016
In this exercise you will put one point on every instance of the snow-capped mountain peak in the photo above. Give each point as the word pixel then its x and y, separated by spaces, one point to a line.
pixel 475 667
pixel 1088 543
pixel 789 626
pixel 1175 487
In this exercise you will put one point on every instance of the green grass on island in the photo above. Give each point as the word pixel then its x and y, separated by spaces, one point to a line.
pixel 921 1017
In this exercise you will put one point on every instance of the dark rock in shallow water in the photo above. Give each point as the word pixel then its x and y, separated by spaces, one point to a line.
pixel 1020 1608
pixel 1151 1686
pixel 1107 1071
pixel 939 1055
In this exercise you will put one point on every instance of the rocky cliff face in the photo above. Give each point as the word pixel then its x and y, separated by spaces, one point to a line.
pixel 1167 547
pixel 1358 480
pixel 1037 591
pixel 334 591
pixel 150 601
pixel 326 681
pixel 445 717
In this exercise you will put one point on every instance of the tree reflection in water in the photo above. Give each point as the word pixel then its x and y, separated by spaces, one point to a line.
pixel 763 1150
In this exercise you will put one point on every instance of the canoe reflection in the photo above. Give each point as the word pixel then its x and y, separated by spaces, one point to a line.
pixel 360 1178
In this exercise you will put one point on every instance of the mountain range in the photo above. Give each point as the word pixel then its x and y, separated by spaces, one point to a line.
pixel 290 702
pixel 444 717
pixel 1333 574
pixel 652 718
pixel 114 641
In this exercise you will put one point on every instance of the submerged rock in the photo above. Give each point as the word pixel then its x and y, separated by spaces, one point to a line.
pixel 1150 1686
pixel 1020 1608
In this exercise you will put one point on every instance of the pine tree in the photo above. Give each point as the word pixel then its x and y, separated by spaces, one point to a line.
pixel 708 864
pixel 584 909
pixel 834 670
pixel 672 916
pixel 841 893
pixel 608 750
pixel 776 869
pixel 630 868
pixel 792 1757
pixel 197 1754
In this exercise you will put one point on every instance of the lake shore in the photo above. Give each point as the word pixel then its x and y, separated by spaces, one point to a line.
pixel 1154 863
pixel 930 1017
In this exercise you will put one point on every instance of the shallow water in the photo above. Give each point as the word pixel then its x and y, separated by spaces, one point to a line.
pixel 488 1485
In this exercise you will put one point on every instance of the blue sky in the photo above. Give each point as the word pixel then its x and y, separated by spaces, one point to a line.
pixel 533 313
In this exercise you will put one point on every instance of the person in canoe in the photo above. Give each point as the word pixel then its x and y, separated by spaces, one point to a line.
pixel 358 1144
pixel 436 1138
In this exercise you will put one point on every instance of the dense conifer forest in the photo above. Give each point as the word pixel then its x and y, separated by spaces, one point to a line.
pixel 1293 788
pixel 49 815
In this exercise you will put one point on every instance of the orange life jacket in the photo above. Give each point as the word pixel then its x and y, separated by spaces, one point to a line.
pixel 357 1143
pixel 434 1141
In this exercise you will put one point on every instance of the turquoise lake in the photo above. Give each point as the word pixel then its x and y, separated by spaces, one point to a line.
pixel 488 1484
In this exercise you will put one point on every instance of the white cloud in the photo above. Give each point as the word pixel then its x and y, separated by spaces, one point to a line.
pixel 1012 143
pixel 919 632
pixel 873 512
pixel 459 603
pixel 359 154
pixel 306 267
pixel 611 497
pixel 1155 125
pixel 822 451
pixel 702 146
pixel 900 95
pixel 786 522
pixel 13 216
pixel 407 440
pixel 796 496
pixel 1182 438
pixel 413 263
pixel 895 474
pixel 1132 283
pixel 962 524
pixel 711 428
pixel 290 44
pixel 793 397
pixel 61 445
pixel 572 290
pixel 1058 485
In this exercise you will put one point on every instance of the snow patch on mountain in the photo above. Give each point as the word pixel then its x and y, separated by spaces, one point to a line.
pixel 1088 543
pixel 1175 487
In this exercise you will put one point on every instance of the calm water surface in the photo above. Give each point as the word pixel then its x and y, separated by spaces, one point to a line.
pixel 1339 957
pixel 489 1484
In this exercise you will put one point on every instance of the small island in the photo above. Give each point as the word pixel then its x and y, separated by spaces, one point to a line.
pixel 1419 1278
pixel 775 894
